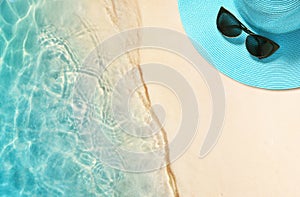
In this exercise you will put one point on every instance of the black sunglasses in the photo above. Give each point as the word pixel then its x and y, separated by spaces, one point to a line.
pixel 257 45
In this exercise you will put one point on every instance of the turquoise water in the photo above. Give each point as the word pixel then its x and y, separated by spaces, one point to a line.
pixel 47 114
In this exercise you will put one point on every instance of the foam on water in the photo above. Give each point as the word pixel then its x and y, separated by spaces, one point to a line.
pixel 54 119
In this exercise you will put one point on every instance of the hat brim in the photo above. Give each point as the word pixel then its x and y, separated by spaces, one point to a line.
pixel 230 56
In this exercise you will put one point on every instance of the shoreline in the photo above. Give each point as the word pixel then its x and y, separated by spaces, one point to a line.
pixel 136 61
pixel 171 175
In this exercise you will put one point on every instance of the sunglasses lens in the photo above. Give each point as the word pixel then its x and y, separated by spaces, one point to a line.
pixel 228 25
pixel 260 47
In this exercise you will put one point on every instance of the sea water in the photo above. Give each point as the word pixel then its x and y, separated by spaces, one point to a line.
pixel 56 122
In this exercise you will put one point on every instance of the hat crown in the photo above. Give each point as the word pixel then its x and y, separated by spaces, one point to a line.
pixel 274 16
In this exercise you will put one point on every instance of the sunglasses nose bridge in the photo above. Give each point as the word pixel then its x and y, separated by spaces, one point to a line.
pixel 245 29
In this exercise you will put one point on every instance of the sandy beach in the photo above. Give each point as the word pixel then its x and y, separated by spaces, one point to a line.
pixel 77 82
pixel 257 153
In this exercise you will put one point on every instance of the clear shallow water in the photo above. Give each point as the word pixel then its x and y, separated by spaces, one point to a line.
pixel 55 121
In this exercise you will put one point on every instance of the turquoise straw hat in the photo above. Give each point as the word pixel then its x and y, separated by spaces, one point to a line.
pixel 278 20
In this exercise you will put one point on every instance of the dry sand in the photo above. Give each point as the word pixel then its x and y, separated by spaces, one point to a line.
pixel 258 152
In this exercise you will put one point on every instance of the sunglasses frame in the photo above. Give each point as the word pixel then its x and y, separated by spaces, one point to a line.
pixel 249 32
